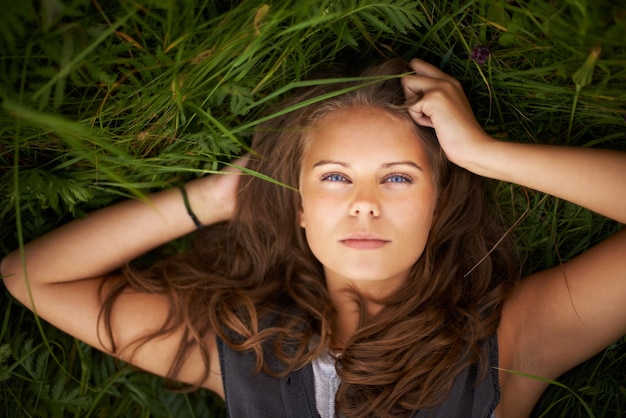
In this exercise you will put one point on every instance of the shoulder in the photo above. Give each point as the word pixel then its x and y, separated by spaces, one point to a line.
pixel 546 317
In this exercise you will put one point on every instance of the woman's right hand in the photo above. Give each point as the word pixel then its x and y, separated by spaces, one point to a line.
pixel 61 273
pixel 108 238
pixel 218 193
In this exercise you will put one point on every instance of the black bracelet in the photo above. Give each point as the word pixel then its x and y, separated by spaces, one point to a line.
pixel 192 215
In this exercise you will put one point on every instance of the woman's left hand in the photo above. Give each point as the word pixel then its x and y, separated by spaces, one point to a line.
pixel 440 103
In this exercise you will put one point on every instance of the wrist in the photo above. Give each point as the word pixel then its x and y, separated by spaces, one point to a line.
pixel 190 211
pixel 476 156
pixel 205 202
pixel 493 159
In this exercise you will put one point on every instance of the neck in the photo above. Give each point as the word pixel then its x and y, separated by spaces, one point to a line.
pixel 344 295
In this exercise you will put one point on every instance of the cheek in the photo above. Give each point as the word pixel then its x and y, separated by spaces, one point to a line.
pixel 313 206
pixel 301 217
pixel 304 208
pixel 417 221
pixel 310 214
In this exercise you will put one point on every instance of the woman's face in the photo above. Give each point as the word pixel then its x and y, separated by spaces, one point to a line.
pixel 368 195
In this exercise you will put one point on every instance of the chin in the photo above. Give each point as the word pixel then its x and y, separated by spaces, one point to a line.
pixel 370 275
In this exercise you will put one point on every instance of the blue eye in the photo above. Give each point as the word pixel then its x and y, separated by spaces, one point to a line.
pixel 398 178
pixel 334 177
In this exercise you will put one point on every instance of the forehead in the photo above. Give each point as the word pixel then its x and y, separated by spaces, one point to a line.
pixel 360 131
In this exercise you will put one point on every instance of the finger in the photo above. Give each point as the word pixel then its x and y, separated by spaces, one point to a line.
pixel 423 68
pixel 422 120
pixel 412 92
pixel 416 111
pixel 415 86
pixel 237 165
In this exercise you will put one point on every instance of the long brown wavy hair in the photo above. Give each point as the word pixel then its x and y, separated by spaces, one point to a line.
pixel 256 283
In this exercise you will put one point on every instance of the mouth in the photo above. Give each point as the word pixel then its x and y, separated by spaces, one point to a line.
pixel 364 242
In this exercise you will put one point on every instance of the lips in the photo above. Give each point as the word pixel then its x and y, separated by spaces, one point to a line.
pixel 364 241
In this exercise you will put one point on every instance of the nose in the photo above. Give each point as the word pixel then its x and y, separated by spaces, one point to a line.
pixel 365 203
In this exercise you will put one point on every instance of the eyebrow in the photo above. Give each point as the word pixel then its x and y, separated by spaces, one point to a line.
pixel 384 165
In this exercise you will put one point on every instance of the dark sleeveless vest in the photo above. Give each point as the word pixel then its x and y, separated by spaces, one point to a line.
pixel 261 396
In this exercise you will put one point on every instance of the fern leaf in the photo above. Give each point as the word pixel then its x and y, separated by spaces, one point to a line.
pixel 5 354
pixel 344 35
pixel 57 387
pixel 41 363
pixel 397 18
pixel 375 22
pixel 51 191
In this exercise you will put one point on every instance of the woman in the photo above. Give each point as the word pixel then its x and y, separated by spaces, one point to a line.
pixel 374 271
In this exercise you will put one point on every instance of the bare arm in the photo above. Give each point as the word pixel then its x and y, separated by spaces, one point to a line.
pixel 62 270
pixel 557 318
pixel 591 178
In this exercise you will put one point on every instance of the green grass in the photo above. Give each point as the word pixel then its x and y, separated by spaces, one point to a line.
pixel 108 100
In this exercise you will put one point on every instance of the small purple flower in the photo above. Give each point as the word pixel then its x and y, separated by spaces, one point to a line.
pixel 480 54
